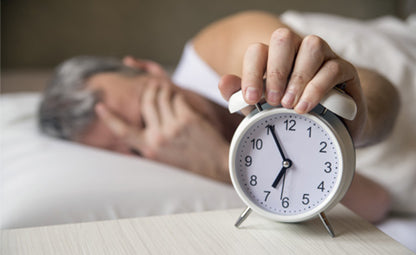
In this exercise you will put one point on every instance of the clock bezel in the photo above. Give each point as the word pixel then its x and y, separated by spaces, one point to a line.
pixel 334 126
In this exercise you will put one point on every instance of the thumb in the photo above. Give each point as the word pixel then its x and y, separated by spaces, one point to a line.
pixel 228 85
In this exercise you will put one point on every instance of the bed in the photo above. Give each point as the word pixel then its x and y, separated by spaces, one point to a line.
pixel 44 181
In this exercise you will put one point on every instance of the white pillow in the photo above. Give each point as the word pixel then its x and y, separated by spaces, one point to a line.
pixel 47 181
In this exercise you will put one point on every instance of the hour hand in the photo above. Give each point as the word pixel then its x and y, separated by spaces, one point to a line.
pixel 286 164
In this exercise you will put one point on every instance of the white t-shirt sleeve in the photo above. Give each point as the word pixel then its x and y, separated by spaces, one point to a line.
pixel 194 74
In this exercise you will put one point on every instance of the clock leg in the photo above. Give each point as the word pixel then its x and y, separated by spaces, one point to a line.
pixel 328 226
pixel 243 217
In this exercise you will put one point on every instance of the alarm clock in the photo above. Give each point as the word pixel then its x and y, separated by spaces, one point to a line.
pixel 290 167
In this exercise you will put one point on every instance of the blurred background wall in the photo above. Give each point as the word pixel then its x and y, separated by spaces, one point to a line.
pixel 40 34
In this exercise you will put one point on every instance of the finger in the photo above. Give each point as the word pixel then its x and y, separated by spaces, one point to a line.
pixel 282 51
pixel 149 105
pixel 165 104
pixel 116 125
pixel 254 66
pixel 182 109
pixel 119 128
pixel 133 63
pixel 148 66
pixel 313 52
pixel 228 85
pixel 333 72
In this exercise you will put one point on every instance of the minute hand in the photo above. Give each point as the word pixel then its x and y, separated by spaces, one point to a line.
pixel 277 142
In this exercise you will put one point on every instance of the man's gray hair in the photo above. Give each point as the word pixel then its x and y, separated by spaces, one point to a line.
pixel 67 108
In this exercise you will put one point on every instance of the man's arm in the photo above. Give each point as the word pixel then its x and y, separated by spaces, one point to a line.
pixel 239 45
pixel 223 46
pixel 383 103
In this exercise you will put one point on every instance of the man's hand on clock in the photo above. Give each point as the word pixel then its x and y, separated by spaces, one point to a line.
pixel 300 71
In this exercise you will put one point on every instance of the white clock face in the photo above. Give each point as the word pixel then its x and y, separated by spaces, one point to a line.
pixel 287 164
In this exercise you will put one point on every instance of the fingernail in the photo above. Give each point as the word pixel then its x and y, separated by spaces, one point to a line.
pixel 273 97
pixel 302 107
pixel 252 94
pixel 288 99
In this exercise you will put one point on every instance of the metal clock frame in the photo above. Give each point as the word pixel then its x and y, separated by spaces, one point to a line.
pixel 345 147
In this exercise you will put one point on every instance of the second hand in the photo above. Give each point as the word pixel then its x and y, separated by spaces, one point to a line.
pixel 283 185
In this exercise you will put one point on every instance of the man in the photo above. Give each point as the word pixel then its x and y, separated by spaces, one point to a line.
pixel 135 106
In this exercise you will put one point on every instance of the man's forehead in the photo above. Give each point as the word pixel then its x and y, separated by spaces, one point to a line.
pixel 101 79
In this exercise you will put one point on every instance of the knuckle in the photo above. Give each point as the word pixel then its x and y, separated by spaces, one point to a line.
pixel 256 47
pixel 253 76
pixel 315 91
pixel 313 42
pixel 278 75
pixel 283 35
pixel 334 67
pixel 298 79
pixel 348 67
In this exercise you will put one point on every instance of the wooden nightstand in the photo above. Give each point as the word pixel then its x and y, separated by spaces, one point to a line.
pixel 203 233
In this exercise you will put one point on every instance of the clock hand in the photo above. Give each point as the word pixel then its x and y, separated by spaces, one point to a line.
pixel 286 164
pixel 279 176
pixel 277 142
pixel 283 185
